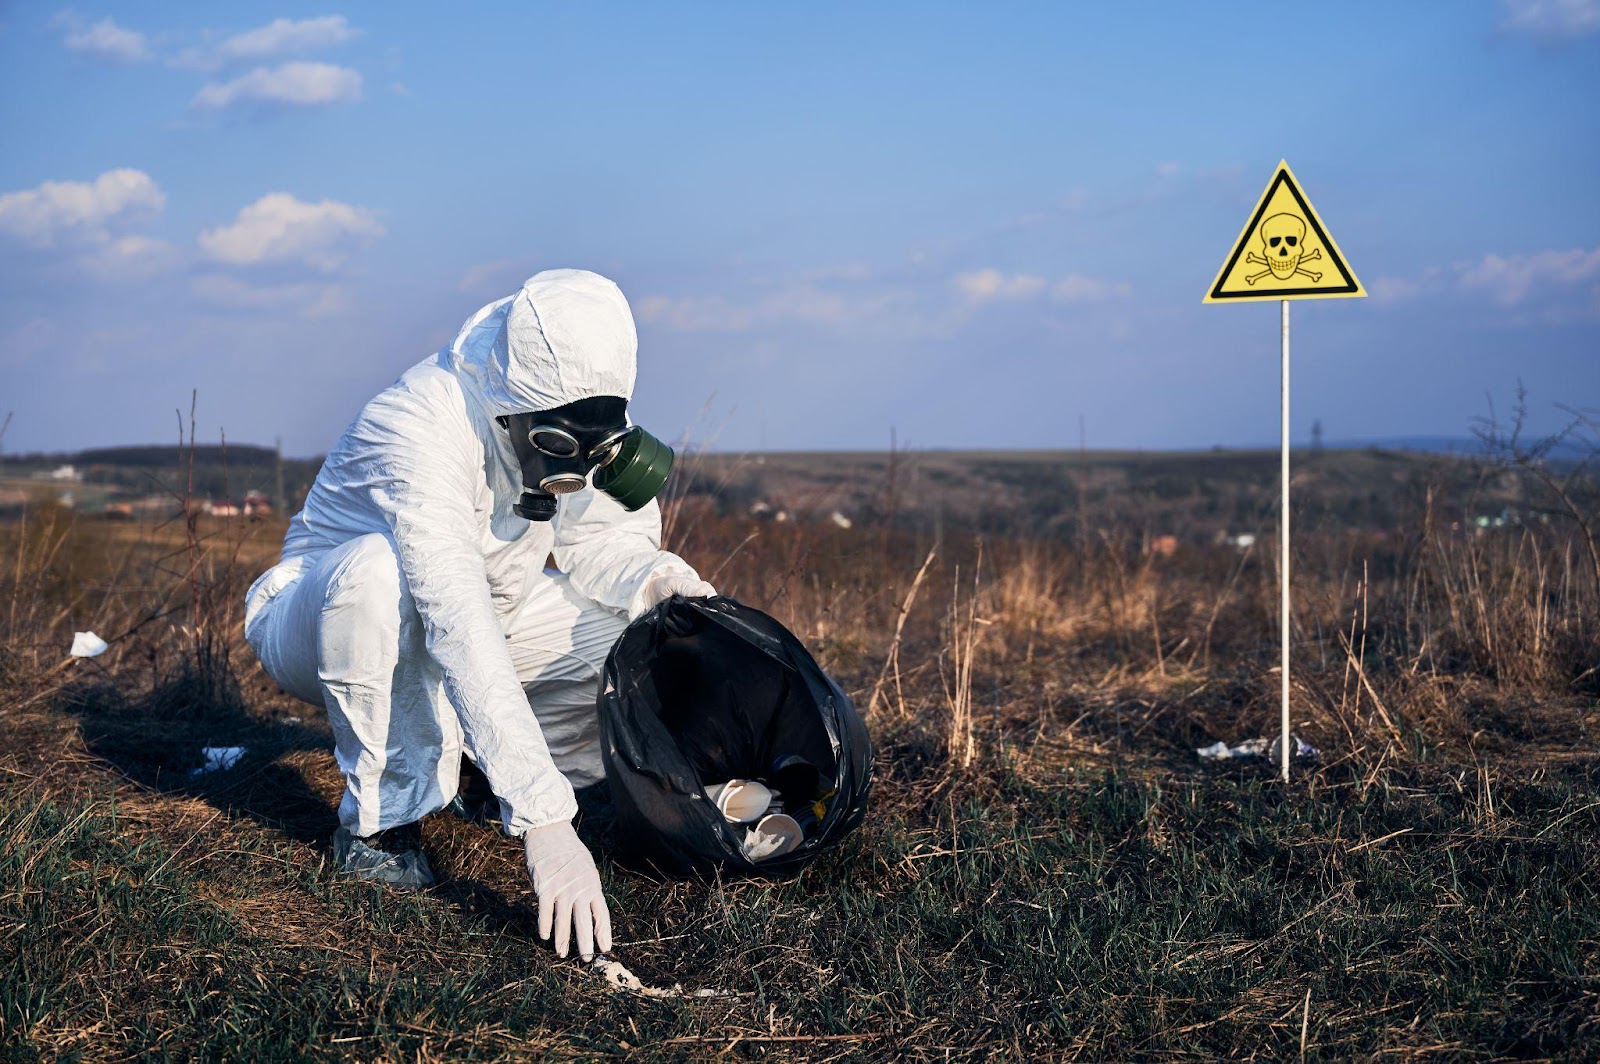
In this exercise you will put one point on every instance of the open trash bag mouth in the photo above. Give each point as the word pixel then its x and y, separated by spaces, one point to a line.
pixel 698 692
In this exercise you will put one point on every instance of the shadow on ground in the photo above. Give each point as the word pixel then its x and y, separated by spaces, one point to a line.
pixel 159 740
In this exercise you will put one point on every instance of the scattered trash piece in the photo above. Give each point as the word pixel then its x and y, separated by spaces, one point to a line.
pixel 1272 748
pixel 773 832
pixel 217 759
pixel 740 801
pixel 617 974
pixel 775 835
pixel 87 645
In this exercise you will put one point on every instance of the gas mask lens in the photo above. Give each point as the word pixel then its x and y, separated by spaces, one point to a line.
pixel 554 442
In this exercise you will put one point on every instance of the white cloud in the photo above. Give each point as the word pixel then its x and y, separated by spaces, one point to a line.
pixel 982 286
pixel 850 301
pixel 1512 279
pixel 312 299
pixel 990 285
pixel 1394 289
pixel 277 39
pixel 131 257
pixel 297 84
pixel 1555 20
pixel 1075 288
pixel 103 40
pixel 285 36
pixel 813 305
pixel 59 213
pixel 694 313
pixel 279 228
pixel 802 303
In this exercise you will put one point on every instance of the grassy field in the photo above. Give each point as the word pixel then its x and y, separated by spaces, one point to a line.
pixel 1048 871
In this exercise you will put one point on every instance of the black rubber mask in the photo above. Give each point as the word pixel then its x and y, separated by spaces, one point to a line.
pixel 558 449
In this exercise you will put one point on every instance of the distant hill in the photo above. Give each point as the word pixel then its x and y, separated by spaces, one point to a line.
pixel 159 455
pixel 1196 495
pixel 1466 446
pixel 218 473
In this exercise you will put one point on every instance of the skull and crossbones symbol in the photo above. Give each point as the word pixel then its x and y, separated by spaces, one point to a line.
pixel 1283 238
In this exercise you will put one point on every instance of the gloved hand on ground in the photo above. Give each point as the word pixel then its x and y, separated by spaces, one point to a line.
pixel 571 900
pixel 663 585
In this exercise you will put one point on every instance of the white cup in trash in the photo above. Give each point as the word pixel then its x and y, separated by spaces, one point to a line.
pixel 740 801
pixel 776 835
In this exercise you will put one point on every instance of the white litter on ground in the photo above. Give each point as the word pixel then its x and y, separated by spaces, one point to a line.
pixel 617 974
pixel 87 645
pixel 1272 748
pixel 218 758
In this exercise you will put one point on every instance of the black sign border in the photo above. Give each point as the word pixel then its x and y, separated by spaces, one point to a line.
pixel 1283 293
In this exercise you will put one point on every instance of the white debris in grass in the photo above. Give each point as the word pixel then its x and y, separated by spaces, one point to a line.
pixel 617 974
pixel 87 645
pixel 218 758
pixel 1299 750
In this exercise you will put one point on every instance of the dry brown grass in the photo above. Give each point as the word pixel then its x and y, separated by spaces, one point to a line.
pixel 1047 870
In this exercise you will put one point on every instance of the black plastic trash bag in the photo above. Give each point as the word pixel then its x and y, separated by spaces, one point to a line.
pixel 701 691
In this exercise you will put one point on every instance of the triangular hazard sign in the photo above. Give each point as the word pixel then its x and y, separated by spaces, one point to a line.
pixel 1285 252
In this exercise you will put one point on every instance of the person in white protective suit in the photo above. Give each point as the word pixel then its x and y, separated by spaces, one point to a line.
pixel 413 599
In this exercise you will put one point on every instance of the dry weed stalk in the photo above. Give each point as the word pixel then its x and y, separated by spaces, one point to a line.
pixel 892 662
pixel 966 630
pixel 1026 597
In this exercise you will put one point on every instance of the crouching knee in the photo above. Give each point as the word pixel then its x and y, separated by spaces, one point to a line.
pixel 365 586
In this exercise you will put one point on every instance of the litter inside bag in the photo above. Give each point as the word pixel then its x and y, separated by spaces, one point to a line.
pixel 701 693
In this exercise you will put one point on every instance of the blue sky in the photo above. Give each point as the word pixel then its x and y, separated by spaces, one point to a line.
pixel 972 224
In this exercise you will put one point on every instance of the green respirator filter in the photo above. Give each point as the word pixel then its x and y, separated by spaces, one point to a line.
pixel 638 472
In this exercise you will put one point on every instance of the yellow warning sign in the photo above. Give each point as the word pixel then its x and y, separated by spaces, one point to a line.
pixel 1285 252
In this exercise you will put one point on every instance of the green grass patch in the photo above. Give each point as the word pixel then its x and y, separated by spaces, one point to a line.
pixel 1096 911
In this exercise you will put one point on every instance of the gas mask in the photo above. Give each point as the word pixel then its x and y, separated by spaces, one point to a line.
pixel 558 449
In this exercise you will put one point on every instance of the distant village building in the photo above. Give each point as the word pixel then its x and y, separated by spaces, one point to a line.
pixel 66 474
pixel 256 504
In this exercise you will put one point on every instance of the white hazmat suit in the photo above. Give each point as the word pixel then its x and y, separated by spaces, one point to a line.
pixel 417 607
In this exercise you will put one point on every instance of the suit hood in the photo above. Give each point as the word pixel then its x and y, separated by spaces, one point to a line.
pixel 566 335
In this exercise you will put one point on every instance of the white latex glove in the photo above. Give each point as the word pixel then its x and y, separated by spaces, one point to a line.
pixel 669 582
pixel 568 886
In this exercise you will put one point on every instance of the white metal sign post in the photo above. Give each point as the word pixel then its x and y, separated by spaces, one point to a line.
pixel 1290 238
pixel 1283 544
